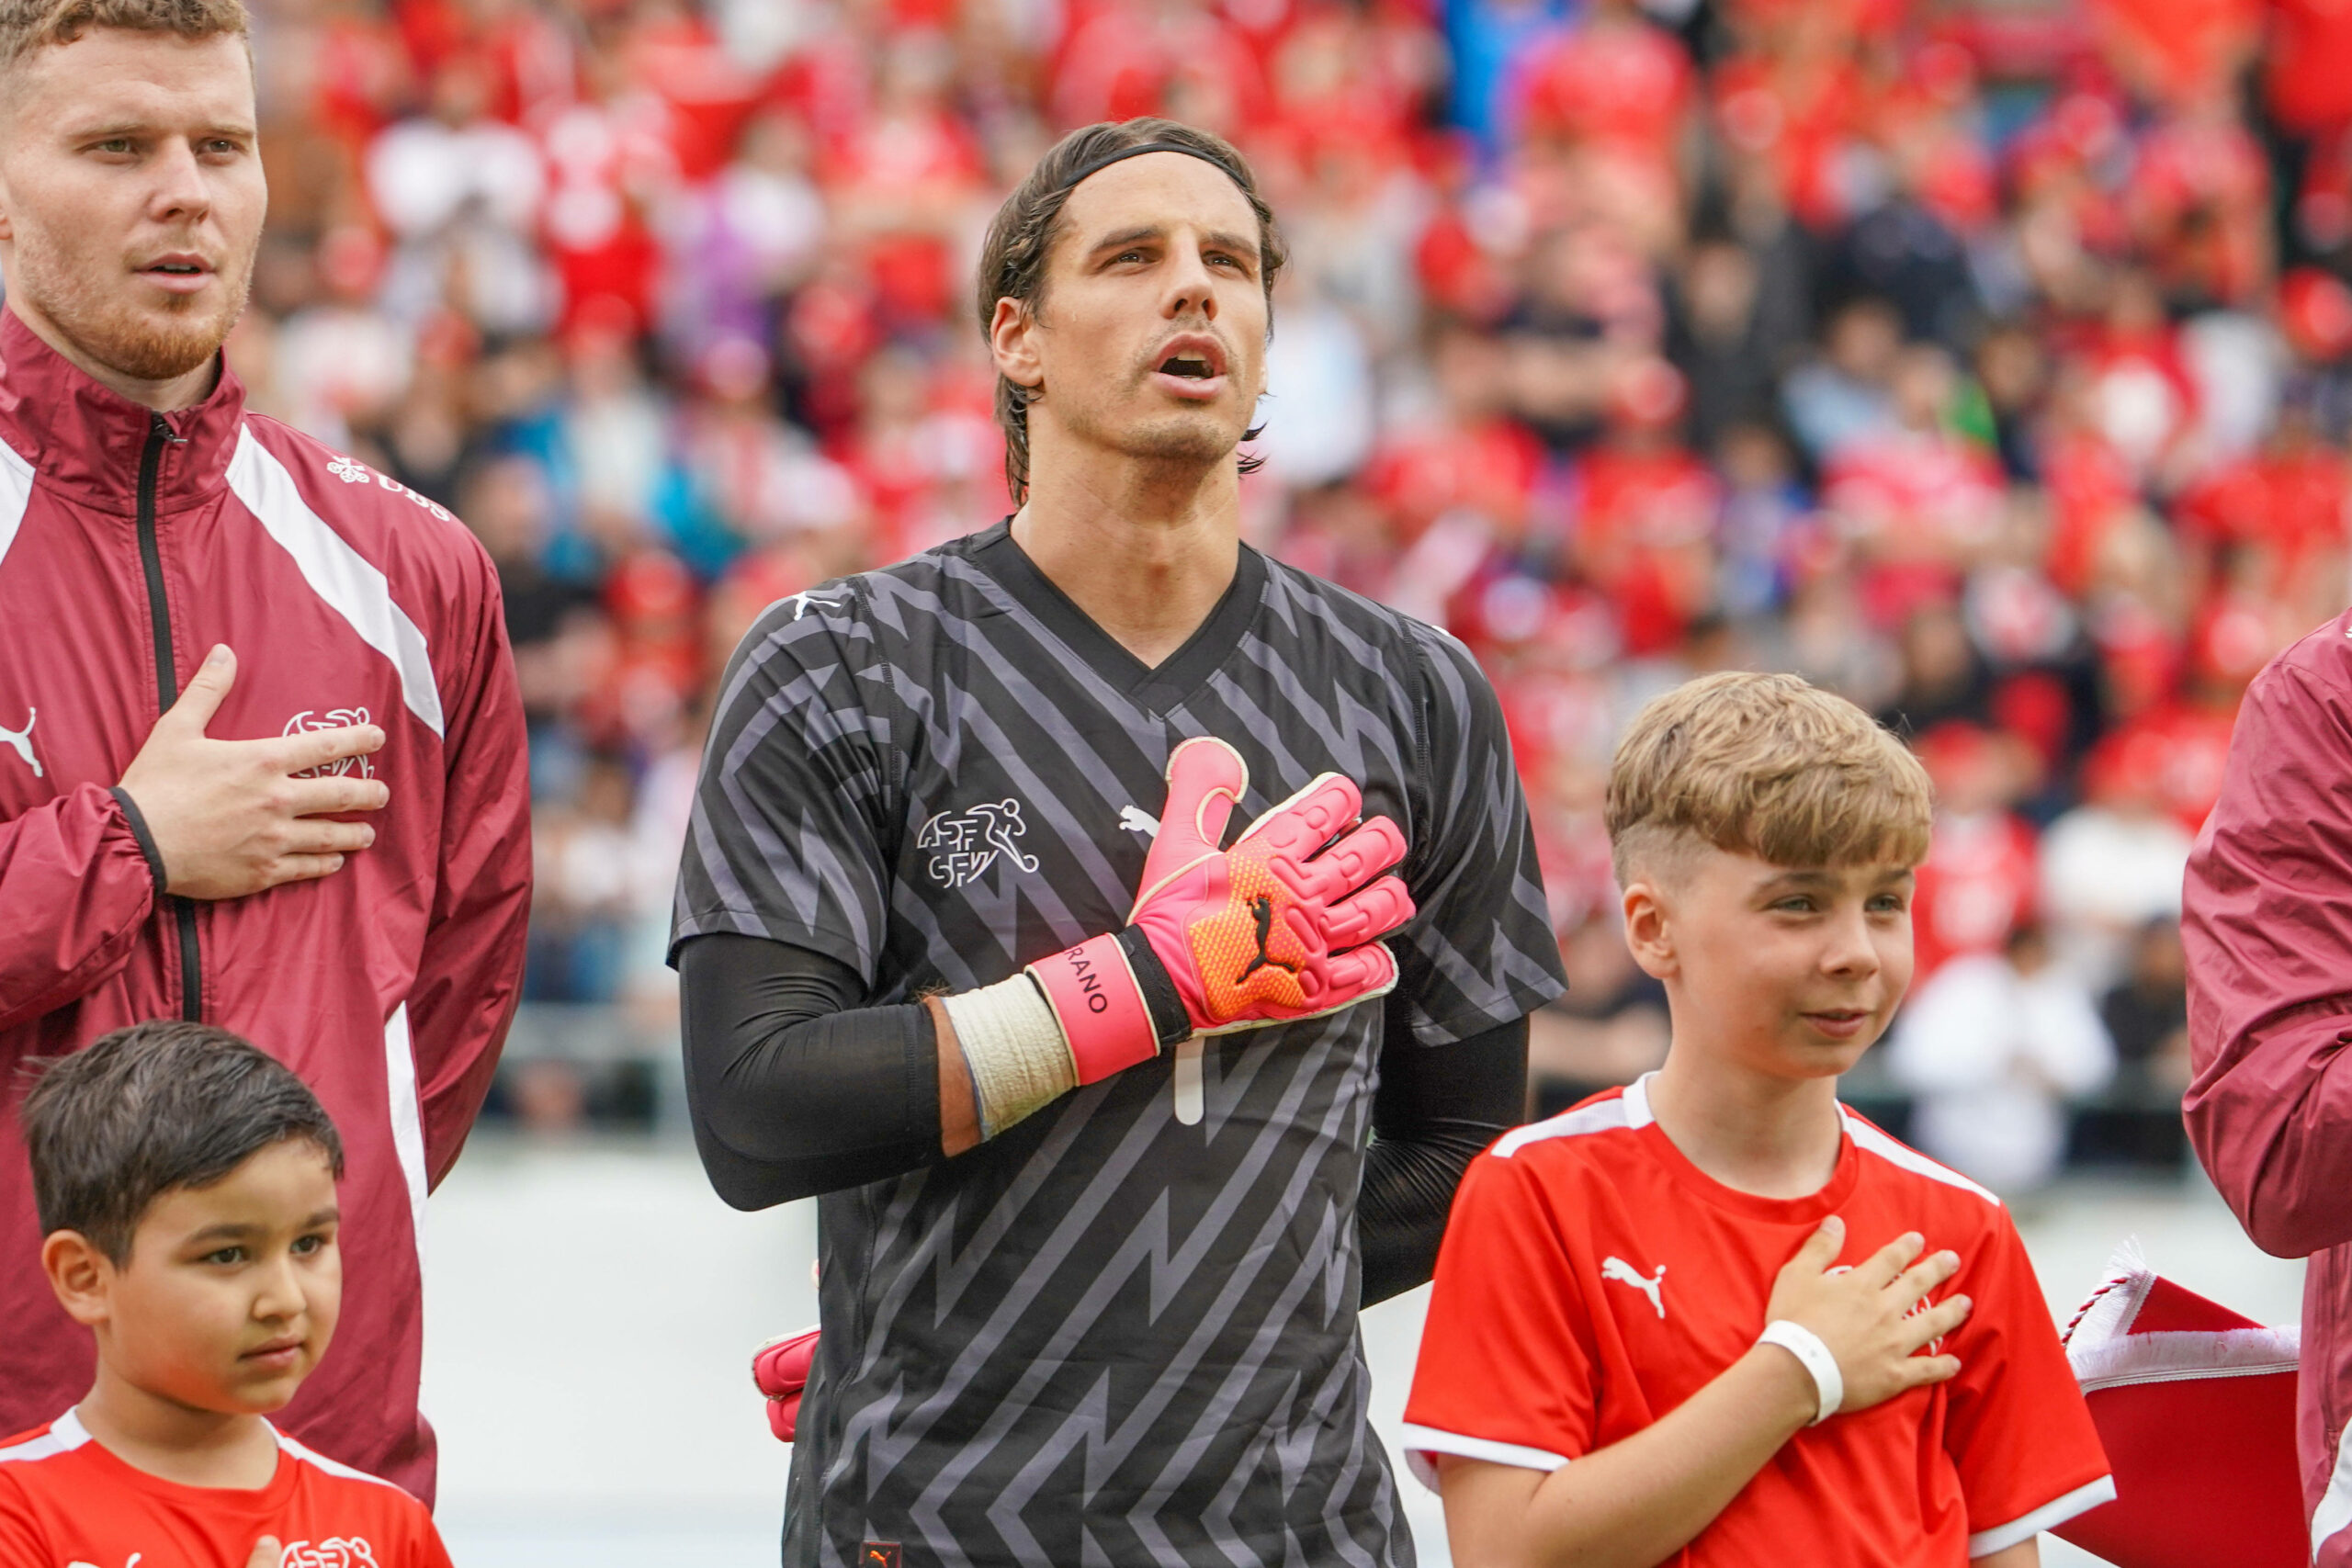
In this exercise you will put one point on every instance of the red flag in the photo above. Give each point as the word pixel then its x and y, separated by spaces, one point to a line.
pixel 2196 1407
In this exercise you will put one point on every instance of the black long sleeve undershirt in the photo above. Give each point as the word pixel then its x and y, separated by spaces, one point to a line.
pixel 795 1088
pixel 1436 1108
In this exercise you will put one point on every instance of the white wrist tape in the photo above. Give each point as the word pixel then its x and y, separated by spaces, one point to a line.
pixel 1829 1382
pixel 1013 1046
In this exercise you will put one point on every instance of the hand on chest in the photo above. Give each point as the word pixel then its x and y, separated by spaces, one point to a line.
pixel 1682 1295
pixel 1058 838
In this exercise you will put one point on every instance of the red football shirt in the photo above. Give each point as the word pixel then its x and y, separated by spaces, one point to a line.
pixel 1592 1279
pixel 65 1500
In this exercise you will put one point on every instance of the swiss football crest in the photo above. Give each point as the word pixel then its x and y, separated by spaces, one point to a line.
pixel 334 718
pixel 341 1551
pixel 963 844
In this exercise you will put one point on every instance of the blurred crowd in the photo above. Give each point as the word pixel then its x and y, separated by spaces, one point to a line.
pixel 1985 360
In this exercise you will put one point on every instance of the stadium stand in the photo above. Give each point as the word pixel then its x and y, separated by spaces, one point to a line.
pixel 1985 361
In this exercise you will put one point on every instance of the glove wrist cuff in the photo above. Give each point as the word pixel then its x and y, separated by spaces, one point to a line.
pixel 1100 1004
pixel 1171 1021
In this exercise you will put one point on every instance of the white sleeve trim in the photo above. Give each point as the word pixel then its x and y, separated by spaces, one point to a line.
pixel 2081 1500
pixel 1420 1442
pixel 312 1457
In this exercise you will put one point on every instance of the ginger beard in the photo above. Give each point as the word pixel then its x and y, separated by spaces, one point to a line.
pixel 95 303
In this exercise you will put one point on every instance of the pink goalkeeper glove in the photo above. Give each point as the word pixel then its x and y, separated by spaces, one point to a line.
pixel 1282 926
pixel 780 1368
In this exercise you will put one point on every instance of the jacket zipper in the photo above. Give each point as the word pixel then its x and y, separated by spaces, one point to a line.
pixel 167 684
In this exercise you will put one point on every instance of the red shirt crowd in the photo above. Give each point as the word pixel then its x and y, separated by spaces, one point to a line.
pixel 1984 362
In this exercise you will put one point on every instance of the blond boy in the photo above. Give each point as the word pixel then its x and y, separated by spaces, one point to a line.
pixel 1715 1318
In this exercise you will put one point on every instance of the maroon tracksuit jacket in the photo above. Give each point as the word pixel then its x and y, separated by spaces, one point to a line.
pixel 129 544
pixel 2269 926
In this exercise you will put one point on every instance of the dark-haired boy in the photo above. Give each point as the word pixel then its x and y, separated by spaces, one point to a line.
pixel 1714 1319
pixel 187 1189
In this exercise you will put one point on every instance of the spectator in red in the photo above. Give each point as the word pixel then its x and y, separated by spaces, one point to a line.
pixel 2174 51
pixel 2113 863
pixel 2289 499
pixel 1178 58
pixel 1468 455
pixel 2200 196
pixel 901 182
pixel 2307 90
pixel 2145 399
pixel 1980 878
pixel 1645 532
pixel 610 157
pixel 1915 497
pixel 925 465
pixel 1616 78
pixel 1799 102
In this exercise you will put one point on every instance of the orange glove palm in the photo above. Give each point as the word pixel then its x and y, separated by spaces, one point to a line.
pixel 1280 927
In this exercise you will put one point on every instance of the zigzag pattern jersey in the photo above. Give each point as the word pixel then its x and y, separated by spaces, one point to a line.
pixel 1105 1337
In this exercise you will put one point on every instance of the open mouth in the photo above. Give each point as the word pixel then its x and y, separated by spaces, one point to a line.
pixel 1195 358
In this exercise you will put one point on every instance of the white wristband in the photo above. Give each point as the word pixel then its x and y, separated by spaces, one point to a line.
pixel 1829 1382
pixel 1013 1046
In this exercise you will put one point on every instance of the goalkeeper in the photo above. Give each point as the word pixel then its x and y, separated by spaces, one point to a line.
pixel 1117 1123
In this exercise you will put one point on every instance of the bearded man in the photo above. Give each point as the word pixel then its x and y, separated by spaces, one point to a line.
pixel 260 752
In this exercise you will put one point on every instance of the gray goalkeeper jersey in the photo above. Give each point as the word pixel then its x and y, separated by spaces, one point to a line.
pixel 1106 1337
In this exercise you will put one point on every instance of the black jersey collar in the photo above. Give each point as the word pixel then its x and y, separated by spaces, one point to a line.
pixel 1155 687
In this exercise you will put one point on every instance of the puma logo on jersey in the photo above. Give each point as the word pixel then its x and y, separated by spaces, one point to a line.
pixel 1650 1285
pixel 966 843
pixel 21 740
pixel 1263 909
pixel 1134 819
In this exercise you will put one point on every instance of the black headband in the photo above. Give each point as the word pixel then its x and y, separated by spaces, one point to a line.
pixel 1104 162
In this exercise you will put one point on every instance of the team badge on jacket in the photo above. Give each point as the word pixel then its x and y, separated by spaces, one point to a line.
pixel 333 718
pixel 964 845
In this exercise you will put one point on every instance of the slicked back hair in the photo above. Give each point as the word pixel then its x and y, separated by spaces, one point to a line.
pixel 150 1109
pixel 1764 765
pixel 28 25
pixel 1021 241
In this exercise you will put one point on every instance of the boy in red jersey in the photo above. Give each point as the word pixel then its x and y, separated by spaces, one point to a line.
pixel 1648 1309
pixel 187 1189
